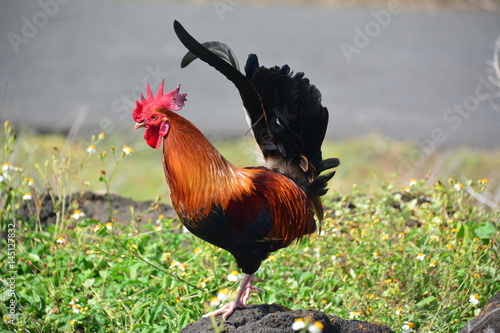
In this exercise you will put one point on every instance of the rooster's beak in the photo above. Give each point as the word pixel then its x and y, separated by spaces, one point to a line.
pixel 139 125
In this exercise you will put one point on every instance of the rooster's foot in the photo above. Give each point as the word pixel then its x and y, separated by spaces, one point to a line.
pixel 244 291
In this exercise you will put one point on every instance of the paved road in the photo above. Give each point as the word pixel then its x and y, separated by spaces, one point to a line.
pixel 406 74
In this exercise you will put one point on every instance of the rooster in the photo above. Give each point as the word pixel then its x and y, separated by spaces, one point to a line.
pixel 250 211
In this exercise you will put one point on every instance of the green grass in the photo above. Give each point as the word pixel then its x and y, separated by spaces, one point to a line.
pixel 366 161
pixel 80 276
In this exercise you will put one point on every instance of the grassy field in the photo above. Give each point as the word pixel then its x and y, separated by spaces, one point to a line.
pixel 367 162
pixel 409 241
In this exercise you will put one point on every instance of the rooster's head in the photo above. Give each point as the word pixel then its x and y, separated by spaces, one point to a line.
pixel 152 113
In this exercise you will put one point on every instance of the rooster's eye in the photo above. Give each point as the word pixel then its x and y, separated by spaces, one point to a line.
pixel 154 117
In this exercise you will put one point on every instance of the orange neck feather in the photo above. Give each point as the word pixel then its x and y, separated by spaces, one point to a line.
pixel 197 174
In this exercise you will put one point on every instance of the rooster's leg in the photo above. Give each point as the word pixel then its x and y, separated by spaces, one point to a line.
pixel 244 291
pixel 245 295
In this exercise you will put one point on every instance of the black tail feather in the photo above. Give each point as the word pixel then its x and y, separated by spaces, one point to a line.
pixel 251 66
pixel 297 122
pixel 329 163
pixel 249 96
pixel 318 186
pixel 220 49
pixel 287 118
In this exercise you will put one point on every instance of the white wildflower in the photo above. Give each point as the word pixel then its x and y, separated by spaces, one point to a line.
pixel 474 299
pixel 298 324
pixel 408 327
pixel 234 276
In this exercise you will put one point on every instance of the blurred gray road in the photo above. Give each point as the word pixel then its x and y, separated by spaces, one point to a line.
pixel 405 74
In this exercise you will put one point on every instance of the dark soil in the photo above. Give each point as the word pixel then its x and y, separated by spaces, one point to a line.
pixel 96 207
pixel 274 318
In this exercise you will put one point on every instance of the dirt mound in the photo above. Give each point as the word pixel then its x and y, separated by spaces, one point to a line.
pixel 96 206
pixel 274 318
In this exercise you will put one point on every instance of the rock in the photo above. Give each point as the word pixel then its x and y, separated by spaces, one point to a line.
pixel 274 318
pixel 488 320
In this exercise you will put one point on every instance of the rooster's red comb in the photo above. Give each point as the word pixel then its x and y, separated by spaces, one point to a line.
pixel 171 101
